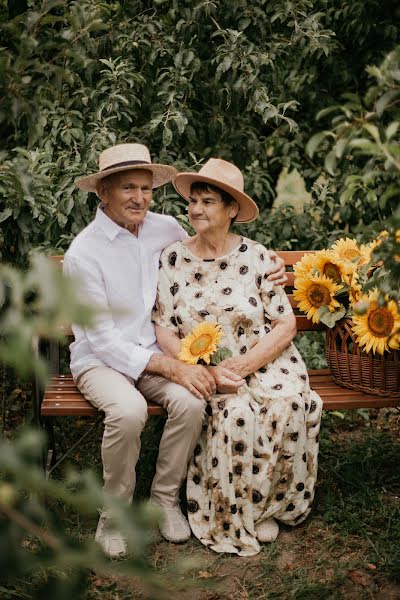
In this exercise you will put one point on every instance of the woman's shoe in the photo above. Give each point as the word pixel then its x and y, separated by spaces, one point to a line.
pixel 267 531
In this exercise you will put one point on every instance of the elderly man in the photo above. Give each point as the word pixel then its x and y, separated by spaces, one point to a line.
pixel 117 363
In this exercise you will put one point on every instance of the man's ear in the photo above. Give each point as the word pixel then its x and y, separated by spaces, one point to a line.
pixel 101 191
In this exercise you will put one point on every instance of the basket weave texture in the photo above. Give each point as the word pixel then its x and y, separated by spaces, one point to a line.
pixel 352 368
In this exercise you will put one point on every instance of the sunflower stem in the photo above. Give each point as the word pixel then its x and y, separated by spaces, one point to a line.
pixel 252 393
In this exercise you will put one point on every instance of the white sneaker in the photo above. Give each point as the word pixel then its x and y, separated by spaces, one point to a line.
pixel 267 531
pixel 113 543
pixel 174 527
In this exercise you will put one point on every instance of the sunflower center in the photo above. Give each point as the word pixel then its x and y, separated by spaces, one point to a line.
pixel 332 271
pixel 201 344
pixel 351 254
pixel 318 295
pixel 380 322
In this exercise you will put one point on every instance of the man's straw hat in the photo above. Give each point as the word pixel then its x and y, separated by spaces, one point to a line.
pixel 125 157
pixel 226 176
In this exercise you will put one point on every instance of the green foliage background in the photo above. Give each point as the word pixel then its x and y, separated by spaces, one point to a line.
pixel 270 84
pixel 237 79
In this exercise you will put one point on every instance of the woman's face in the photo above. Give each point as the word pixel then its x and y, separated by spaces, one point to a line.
pixel 208 213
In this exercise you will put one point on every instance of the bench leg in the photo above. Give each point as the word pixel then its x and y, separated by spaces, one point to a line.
pixel 53 463
pixel 50 452
pixel 37 397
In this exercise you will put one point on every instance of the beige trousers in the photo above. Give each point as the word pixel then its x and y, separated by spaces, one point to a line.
pixel 125 408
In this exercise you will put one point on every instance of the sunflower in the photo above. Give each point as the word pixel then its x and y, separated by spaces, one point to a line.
pixel 305 265
pixel 328 263
pixel 349 251
pixel 201 343
pixel 378 329
pixel 314 291
pixel 355 290
pixel 382 236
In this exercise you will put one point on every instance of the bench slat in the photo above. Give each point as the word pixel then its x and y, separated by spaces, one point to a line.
pixel 69 400
pixel 292 256
pixel 303 324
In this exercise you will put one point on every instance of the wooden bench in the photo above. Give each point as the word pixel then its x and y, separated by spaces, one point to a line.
pixel 62 398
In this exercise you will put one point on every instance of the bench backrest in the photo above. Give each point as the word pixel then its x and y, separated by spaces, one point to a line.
pixel 290 257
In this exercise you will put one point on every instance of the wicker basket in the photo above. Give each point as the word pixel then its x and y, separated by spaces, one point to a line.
pixel 352 368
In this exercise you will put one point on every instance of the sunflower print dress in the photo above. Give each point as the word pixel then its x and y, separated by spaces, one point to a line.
pixel 252 461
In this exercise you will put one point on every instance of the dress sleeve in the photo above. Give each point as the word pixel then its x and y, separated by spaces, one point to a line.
pixel 274 298
pixel 163 310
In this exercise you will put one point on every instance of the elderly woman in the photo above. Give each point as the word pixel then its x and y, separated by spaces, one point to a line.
pixel 256 462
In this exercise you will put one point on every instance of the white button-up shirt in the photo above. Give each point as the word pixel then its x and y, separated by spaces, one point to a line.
pixel 118 273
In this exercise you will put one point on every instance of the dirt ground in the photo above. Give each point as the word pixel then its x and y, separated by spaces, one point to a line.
pixel 320 559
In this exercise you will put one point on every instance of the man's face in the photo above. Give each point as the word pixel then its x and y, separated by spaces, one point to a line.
pixel 127 196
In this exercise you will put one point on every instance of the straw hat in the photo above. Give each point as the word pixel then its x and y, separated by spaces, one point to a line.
pixel 226 176
pixel 125 157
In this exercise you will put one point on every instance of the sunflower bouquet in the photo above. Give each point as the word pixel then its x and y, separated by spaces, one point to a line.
pixel 200 346
pixel 334 284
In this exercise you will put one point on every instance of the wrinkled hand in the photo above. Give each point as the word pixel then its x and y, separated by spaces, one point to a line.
pixel 194 378
pixel 237 364
pixel 227 381
pixel 278 274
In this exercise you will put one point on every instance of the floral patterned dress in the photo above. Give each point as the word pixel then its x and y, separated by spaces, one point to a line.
pixel 253 461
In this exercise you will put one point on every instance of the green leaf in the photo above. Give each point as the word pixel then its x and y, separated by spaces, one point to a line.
pixel 338 413
pixel 220 355
pixel 365 145
pixel 352 97
pixel 341 146
pixel 392 191
pixel 225 65
pixel 330 162
pixel 326 111
pixel 314 142
pixel 385 100
pixel 330 318
pixel 373 131
pixel 167 136
pixel 244 23
pixel 392 129
pixel 7 212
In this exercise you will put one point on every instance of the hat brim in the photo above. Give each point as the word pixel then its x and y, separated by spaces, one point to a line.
pixel 248 209
pixel 162 174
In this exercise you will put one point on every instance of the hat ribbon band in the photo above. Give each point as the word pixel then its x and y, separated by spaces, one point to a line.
pixel 127 164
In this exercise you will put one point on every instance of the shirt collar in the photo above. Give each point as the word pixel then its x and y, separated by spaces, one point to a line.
pixel 107 225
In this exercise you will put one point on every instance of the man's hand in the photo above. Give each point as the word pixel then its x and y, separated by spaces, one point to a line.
pixel 227 381
pixel 194 378
pixel 278 274
pixel 237 364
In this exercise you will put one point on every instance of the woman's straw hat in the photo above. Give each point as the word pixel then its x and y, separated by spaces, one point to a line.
pixel 125 157
pixel 226 176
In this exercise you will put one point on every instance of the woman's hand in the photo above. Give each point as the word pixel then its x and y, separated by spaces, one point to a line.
pixel 278 273
pixel 237 364
pixel 227 381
